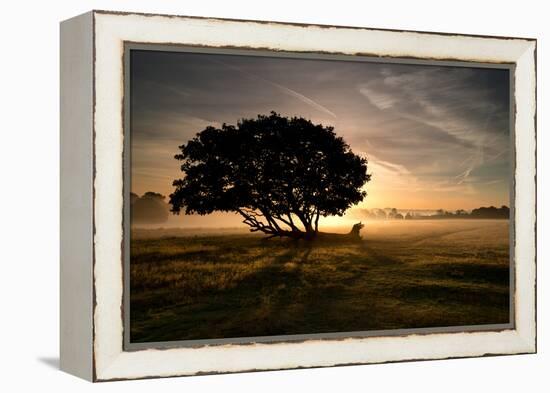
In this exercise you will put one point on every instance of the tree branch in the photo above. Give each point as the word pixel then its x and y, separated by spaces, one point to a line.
pixel 317 220
pixel 250 219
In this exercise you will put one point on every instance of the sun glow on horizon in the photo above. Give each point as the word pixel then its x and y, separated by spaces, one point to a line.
pixel 435 137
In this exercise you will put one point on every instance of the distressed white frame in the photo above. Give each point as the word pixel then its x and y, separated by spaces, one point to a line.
pixel 111 30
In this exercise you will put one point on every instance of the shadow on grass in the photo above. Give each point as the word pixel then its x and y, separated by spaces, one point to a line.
pixel 283 286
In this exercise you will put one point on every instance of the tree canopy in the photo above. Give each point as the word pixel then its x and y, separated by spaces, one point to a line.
pixel 280 174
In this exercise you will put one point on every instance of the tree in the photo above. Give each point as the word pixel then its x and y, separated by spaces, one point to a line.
pixel 491 212
pixel 280 174
pixel 150 208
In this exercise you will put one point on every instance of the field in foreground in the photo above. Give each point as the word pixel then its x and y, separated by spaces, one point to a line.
pixel 402 275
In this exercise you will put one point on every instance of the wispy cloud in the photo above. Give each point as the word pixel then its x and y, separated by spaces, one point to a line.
pixel 448 103
pixel 379 99
pixel 435 136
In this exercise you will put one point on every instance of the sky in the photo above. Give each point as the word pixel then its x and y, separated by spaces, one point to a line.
pixel 435 136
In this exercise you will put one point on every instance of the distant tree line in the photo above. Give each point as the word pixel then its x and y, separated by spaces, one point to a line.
pixel 490 212
pixel 150 208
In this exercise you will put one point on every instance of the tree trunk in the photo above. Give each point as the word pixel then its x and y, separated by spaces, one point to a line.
pixel 273 225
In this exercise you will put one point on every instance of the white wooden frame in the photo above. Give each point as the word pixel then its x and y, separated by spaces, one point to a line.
pixel 92 143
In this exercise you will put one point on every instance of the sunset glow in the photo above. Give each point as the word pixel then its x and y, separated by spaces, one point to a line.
pixel 435 137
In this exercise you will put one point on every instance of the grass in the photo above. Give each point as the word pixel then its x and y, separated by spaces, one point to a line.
pixel 402 275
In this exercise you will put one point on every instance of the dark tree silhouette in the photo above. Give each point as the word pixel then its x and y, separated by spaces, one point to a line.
pixel 280 174
pixel 491 212
pixel 150 208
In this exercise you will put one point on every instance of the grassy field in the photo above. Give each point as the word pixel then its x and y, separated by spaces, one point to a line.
pixel 404 274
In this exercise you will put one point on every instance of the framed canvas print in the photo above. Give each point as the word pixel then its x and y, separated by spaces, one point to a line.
pixel 245 195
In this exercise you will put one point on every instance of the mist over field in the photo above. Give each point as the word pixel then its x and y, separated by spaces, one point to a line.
pixel 201 284
pixel 225 222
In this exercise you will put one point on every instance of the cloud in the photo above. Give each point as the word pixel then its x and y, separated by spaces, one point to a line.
pixel 379 99
pixel 424 129
pixel 452 108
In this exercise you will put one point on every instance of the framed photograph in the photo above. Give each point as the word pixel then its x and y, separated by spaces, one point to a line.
pixel 246 195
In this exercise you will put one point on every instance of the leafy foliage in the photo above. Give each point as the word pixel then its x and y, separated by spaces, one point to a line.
pixel 280 174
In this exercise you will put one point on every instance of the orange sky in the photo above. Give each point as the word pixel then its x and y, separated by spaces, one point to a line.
pixel 435 137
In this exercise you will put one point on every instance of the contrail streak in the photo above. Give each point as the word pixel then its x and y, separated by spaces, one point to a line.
pixel 301 97
pixel 293 93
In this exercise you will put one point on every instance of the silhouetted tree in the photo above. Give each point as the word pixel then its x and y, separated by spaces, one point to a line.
pixel 150 208
pixel 370 214
pixel 280 174
pixel 491 212
pixel 381 214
